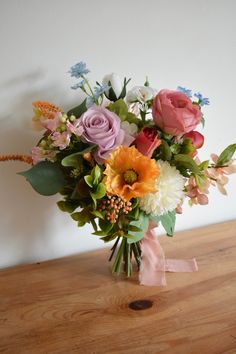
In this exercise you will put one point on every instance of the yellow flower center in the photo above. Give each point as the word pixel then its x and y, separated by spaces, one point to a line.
pixel 130 176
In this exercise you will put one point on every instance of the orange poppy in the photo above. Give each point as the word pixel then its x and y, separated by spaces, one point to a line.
pixel 129 174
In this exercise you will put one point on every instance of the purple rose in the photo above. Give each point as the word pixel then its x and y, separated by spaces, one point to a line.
pixel 102 128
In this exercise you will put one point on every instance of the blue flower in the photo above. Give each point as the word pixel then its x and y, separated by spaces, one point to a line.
pixel 78 85
pixel 203 101
pixel 99 90
pixel 78 70
pixel 185 90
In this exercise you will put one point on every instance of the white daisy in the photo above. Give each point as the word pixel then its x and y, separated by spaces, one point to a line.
pixel 170 186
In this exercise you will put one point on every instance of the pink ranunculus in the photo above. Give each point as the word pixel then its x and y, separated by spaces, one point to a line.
pixel 101 127
pixel 175 113
pixel 147 141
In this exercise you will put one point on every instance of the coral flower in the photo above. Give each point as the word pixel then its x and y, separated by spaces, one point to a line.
pixel 46 115
pixel 129 174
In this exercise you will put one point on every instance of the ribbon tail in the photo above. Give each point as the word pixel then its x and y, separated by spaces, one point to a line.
pixel 152 268
pixel 154 265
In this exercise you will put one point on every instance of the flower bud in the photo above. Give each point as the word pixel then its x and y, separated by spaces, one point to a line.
pixel 117 89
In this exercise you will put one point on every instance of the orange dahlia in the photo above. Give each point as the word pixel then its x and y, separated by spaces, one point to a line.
pixel 129 174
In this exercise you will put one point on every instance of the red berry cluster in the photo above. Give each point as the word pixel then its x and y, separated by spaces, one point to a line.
pixel 114 206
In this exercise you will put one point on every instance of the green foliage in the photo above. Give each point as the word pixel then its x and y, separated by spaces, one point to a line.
pixel 167 220
pixel 185 163
pixel 83 217
pixel 75 160
pixel 203 165
pixel 46 178
pixel 78 110
pixel 140 225
pixel 67 205
pixel 226 155
pixel 120 108
pixel 98 189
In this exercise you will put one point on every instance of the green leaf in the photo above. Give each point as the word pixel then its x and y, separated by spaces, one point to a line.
pixel 83 217
pixel 226 155
pixel 142 224
pixel 100 191
pixel 134 228
pixel 46 178
pixel 105 226
pixel 78 110
pixel 98 214
pixel 155 218
pixel 75 159
pixel 186 162
pixel 204 165
pixel 203 121
pixel 168 222
pixel 89 180
pixel 96 175
pixel 120 108
pixel 67 206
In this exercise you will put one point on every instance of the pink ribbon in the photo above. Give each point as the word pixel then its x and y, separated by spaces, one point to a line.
pixel 154 265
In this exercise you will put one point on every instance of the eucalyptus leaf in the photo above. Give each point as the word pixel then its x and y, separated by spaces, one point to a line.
pixel 168 222
pixel 46 178
pixel 142 224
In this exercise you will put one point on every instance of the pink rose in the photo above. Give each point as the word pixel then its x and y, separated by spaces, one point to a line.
pixel 175 113
pixel 147 141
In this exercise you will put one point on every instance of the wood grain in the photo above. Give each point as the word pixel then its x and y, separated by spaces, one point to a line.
pixel 74 304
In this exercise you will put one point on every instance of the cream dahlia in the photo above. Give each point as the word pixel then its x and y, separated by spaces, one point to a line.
pixel 170 191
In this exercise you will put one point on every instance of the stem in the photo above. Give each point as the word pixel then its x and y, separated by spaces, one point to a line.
pixel 90 88
pixel 114 248
pixel 137 253
pixel 117 264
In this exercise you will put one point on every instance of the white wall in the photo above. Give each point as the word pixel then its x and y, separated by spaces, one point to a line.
pixel 184 42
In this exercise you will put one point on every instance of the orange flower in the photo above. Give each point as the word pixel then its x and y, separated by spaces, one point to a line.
pixel 129 174
pixel 45 109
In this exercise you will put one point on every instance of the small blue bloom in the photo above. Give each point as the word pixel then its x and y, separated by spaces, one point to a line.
pixel 78 70
pixel 78 85
pixel 203 101
pixel 185 90
pixel 99 90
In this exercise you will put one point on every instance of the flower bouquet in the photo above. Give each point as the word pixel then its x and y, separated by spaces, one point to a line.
pixel 124 161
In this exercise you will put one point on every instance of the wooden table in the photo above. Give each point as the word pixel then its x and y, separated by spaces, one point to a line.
pixel 74 304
